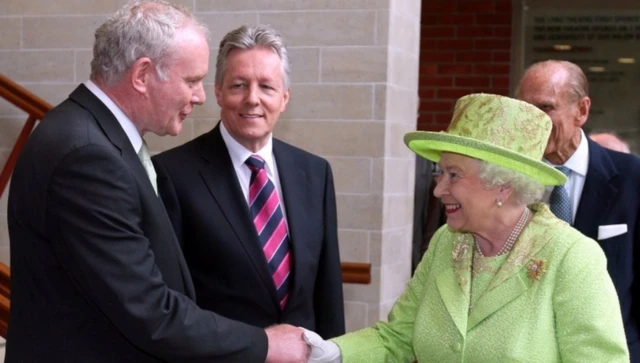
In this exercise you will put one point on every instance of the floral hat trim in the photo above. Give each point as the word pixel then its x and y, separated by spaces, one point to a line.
pixel 496 129
pixel 431 145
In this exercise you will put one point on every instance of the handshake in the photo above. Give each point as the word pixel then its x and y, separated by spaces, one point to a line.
pixel 291 344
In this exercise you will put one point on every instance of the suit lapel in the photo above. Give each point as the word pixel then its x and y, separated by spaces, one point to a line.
pixel 512 280
pixel 295 192
pixel 598 192
pixel 221 180
pixel 113 130
pixel 454 284
pixel 105 119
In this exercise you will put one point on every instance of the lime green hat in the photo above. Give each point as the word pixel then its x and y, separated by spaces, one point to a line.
pixel 496 129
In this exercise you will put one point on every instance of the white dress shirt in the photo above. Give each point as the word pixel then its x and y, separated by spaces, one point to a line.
pixel 578 163
pixel 126 124
pixel 239 154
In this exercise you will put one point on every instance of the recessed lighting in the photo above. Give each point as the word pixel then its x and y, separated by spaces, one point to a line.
pixel 596 69
pixel 562 47
pixel 626 60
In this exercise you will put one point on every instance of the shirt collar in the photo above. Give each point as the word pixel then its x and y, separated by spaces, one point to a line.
pixel 239 154
pixel 129 128
pixel 579 161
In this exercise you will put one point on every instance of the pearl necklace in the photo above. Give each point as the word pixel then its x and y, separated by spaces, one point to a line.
pixel 513 236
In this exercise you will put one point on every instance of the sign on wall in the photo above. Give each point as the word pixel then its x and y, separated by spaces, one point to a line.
pixel 606 45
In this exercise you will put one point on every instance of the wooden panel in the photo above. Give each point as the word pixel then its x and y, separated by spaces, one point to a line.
pixel 356 273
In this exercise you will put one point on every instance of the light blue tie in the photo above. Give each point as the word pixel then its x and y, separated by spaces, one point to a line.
pixel 559 202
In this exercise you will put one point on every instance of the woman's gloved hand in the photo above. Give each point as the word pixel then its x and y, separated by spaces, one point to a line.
pixel 322 351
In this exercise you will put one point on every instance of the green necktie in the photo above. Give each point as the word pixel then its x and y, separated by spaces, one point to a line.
pixel 145 158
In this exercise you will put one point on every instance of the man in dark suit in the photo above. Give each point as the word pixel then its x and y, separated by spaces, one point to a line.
pixel 256 217
pixel 603 186
pixel 97 272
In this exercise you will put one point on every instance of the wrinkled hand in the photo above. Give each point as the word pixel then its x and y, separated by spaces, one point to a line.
pixel 322 351
pixel 286 345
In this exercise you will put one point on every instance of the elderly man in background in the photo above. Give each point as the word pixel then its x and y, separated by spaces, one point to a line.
pixel 610 141
pixel 256 217
pixel 601 198
pixel 97 272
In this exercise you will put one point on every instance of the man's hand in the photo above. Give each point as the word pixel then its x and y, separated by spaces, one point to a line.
pixel 286 345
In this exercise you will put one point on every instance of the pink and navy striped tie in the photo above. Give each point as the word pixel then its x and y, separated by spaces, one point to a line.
pixel 270 225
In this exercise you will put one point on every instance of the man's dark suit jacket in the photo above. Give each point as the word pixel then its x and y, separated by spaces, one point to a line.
pixel 97 274
pixel 611 195
pixel 210 215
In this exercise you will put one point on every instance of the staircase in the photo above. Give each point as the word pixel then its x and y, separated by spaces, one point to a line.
pixel 35 107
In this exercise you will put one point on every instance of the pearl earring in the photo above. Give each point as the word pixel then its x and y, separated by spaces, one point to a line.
pixel 499 203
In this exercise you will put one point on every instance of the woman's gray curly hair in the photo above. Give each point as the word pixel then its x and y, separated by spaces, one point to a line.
pixel 525 189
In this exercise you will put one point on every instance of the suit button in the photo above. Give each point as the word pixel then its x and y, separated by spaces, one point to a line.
pixel 456 347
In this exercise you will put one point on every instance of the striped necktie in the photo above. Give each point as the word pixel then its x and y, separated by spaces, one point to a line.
pixel 270 225
pixel 559 202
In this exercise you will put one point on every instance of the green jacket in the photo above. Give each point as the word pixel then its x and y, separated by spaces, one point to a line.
pixel 551 301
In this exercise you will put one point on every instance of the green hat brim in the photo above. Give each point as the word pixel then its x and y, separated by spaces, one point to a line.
pixel 431 145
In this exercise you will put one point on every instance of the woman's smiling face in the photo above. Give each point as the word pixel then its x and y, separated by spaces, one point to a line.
pixel 469 204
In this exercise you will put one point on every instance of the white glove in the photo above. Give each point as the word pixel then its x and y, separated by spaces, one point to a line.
pixel 322 351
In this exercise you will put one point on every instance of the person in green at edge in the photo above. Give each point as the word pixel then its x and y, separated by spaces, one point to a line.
pixel 504 280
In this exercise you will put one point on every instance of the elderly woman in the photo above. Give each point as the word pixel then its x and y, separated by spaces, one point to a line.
pixel 505 280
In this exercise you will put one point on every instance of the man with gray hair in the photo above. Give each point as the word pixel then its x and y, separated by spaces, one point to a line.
pixel 97 272
pixel 611 141
pixel 601 198
pixel 256 217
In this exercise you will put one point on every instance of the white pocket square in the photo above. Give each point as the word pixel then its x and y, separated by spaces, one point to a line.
pixel 611 230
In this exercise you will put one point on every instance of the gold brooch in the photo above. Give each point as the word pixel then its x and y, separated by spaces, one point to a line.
pixel 536 269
